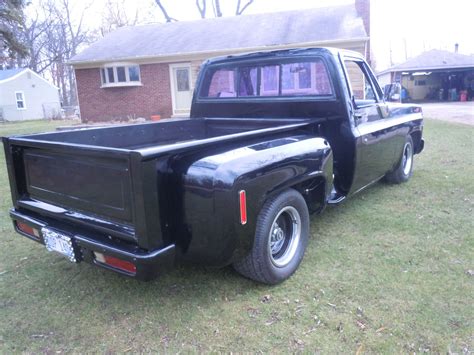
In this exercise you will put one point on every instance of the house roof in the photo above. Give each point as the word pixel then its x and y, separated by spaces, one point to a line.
pixel 8 73
pixel 12 74
pixel 335 23
pixel 434 59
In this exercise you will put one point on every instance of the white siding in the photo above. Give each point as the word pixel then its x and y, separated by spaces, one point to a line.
pixel 384 79
pixel 41 98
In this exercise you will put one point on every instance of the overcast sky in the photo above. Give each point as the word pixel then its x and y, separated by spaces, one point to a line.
pixel 400 29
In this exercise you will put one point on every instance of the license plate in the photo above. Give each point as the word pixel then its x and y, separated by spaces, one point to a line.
pixel 59 243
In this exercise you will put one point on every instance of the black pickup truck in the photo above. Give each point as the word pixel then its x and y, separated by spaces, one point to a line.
pixel 272 137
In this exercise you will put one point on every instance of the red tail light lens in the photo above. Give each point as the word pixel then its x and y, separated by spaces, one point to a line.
pixel 25 228
pixel 243 207
pixel 116 262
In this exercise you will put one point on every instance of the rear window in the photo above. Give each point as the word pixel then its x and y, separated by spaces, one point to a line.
pixel 296 78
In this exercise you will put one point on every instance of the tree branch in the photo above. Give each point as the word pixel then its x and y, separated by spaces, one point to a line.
pixel 238 10
pixel 164 12
pixel 201 8
pixel 217 7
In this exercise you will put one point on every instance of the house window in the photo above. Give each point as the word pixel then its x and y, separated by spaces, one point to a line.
pixel 222 84
pixel 420 82
pixel 305 78
pixel 20 100
pixel 120 75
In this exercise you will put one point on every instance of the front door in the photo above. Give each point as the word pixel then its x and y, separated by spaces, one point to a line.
pixel 374 146
pixel 182 92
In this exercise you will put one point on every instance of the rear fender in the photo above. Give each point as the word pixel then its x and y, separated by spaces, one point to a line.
pixel 215 233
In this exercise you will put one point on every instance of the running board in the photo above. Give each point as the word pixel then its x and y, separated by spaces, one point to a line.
pixel 335 198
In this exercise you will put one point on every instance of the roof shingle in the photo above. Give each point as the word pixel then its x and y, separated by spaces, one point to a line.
pixel 8 73
pixel 435 59
pixel 227 33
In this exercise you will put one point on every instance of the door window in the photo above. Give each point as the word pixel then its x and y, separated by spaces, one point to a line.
pixel 182 79
pixel 365 95
pixel 360 84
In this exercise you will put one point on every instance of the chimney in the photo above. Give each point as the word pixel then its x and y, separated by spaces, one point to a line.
pixel 363 11
pixel 456 47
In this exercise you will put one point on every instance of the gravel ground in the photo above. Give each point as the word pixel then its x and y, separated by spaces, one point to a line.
pixel 461 112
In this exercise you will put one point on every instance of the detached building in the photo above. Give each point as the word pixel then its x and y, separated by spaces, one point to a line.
pixel 434 75
pixel 25 95
pixel 151 70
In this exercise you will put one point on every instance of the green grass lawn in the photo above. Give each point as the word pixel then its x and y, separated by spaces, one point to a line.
pixel 387 271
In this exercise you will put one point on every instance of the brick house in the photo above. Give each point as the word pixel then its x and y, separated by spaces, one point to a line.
pixel 147 70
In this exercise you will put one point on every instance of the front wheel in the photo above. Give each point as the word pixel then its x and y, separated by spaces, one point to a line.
pixel 404 169
pixel 281 238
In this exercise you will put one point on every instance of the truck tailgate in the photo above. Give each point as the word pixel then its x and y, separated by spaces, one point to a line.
pixel 87 185
pixel 97 185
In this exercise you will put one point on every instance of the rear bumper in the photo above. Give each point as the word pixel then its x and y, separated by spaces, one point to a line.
pixel 148 263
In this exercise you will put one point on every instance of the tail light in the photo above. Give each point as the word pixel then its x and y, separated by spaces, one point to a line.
pixel 115 262
pixel 25 228
pixel 243 207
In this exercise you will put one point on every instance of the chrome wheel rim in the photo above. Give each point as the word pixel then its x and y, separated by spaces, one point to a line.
pixel 284 236
pixel 407 158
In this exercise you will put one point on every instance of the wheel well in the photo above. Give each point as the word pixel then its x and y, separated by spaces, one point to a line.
pixel 314 192
pixel 416 137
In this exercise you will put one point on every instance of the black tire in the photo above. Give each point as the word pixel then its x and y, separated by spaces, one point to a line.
pixel 404 169
pixel 272 260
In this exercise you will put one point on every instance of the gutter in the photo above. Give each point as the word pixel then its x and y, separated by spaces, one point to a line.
pixel 396 70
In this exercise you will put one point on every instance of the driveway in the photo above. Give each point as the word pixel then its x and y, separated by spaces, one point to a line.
pixel 462 112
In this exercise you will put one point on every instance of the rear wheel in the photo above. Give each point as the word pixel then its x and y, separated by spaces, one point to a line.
pixel 280 241
pixel 404 169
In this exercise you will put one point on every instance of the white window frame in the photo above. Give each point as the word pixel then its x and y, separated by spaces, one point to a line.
pixel 22 100
pixel 270 92
pixel 296 80
pixel 116 83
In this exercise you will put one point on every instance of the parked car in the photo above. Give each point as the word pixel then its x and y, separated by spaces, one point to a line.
pixel 272 137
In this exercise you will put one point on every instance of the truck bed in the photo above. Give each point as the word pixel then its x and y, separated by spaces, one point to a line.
pixel 167 132
pixel 106 177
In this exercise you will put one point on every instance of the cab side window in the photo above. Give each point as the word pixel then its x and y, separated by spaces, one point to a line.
pixel 361 86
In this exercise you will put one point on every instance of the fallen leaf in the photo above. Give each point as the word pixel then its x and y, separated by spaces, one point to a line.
pixel 361 325
pixel 299 342
pixel 266 298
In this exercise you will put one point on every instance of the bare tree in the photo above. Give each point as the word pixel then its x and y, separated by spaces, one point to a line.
pixel 35 38
pixel 201 6
pixel 63 36
pixel 115 16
